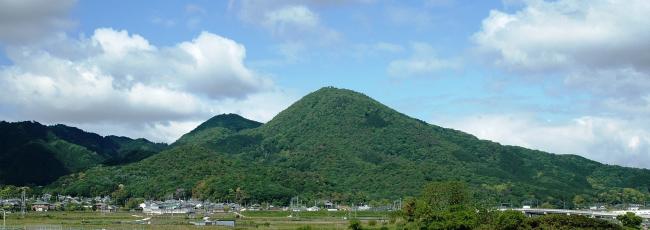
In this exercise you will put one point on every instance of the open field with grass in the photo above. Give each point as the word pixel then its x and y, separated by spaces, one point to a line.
pixel 247 220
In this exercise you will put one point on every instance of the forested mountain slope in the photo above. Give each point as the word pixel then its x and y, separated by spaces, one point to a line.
pixel 35 154
pixel 342 145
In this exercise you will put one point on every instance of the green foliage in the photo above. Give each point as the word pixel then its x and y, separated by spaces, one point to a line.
pixel 630 220
pixel 547 205
pixel 355 224
pixel 510 220
pixel 446 195
pixel 35 154
pixel 232 122
pixel 440 207
pixel 569 222
pixel 10 191
pixel 133 203
pixel 343 146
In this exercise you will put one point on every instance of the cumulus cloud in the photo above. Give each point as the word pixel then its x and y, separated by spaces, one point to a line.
pixel 595 45
pixel 596 50
pixel 560 35
pixel 117 78
pixel 290 16
pixel 607 140
pixel 28 20
pixel 423 62
pixel 295 21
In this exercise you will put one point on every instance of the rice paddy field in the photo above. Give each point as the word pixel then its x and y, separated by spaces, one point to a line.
pixel 55 220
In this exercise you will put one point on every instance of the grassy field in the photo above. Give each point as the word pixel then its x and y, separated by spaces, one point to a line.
pixel 247 220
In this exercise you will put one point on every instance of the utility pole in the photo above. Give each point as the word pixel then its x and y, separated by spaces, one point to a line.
pixel 4 219
pixel 22 204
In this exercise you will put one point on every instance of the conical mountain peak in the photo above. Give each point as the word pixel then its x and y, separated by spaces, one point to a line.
pixel 334 107
pixel 230 121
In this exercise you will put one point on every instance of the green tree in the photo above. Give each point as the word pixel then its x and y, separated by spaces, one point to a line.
pixel 10 191
pixel 355 225
pixel 409 209
pixel 630 220
pixel 579 201
pixel 633 196
pixel 446 195
pixel 120 195
pixel 442 205
pixel 510 220
pixel 547 205
pixel 133 203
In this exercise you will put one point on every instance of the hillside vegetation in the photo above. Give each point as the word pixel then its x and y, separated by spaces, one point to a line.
pixel 35 154
pixel 342 145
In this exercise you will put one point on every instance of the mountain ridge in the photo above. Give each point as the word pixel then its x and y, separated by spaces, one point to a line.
pixel 32 153
pixel 343 145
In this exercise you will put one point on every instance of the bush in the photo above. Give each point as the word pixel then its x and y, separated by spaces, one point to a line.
pixel 510 220
pixel 630 220
pixel 306 227
pixel 556 221
pixel 372 222
pixel 355 224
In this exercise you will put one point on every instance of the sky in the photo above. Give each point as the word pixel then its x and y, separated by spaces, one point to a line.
pixel 568 77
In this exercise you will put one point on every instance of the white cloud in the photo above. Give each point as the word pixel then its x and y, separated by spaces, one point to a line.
pixel 28 20
pixel 608 140
pixel 596 46
pixel 292 21
pixel 119 79
pixel 118 43
pixel 290 16
pixel 423 62
pixel 597 49
pixel 260 107
pixel 560 35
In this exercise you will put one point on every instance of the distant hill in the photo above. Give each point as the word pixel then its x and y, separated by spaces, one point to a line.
pixel 342 145
pixel 204 132
pixel 35 154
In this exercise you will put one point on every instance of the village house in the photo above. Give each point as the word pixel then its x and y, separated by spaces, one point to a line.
pixel 41 206
pixel 167 207
pixel 103 207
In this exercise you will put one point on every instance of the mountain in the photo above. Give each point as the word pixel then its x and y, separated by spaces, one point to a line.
pixel 204 132
pixel 342 145
pixel 35 154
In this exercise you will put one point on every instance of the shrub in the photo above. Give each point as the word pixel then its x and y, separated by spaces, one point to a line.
pixel 306 227
pixel 630 220
pixel 355 224
pixel 511 220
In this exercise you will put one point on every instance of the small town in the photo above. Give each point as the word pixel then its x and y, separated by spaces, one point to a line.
pixel 48 202
pixel 200 211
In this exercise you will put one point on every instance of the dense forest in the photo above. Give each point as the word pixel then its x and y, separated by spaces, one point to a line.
pixel 343 146
pixel 35 154
pixel 453 205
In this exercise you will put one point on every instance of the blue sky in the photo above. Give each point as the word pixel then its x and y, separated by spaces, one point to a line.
pixel 560 76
